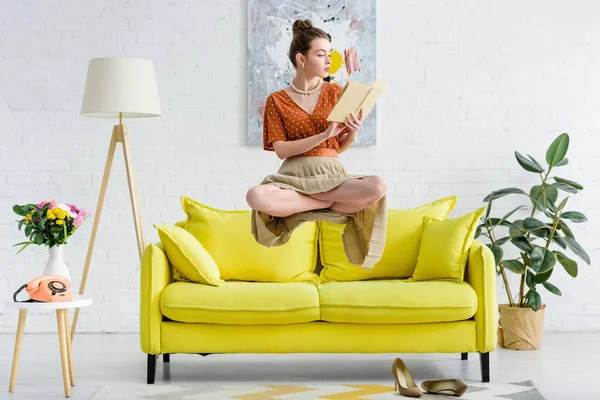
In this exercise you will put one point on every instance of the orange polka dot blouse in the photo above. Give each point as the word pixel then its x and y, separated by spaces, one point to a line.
pixel 286 120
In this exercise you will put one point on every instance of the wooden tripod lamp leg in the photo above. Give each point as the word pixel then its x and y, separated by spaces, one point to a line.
pixel 135 207
pixel 119 135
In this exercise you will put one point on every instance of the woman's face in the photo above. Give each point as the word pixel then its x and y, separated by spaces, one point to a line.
pixel 317 60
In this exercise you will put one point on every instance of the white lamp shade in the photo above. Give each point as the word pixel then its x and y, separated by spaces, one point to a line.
pixel 120 85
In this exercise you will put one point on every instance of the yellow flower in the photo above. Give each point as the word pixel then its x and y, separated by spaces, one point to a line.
pixel 60 214
pixel 50 215
pixel 60 222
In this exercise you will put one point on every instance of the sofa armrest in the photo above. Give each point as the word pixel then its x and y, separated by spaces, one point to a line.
pixel 481 275
pixel 155 275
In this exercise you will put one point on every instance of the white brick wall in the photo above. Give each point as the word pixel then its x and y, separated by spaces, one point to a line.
pixel 471 82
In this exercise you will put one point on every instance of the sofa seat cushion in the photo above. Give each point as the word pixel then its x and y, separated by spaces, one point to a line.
pixel 241 303
pixel 396 301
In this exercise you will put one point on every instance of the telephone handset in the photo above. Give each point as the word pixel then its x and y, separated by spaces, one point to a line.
pixel 46 288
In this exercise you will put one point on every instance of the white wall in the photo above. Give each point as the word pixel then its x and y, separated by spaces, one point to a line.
pixel 471 82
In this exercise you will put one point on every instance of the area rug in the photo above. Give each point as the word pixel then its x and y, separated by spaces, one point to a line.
pixel 369 391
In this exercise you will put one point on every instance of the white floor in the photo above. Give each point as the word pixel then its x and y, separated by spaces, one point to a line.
pixel 567 367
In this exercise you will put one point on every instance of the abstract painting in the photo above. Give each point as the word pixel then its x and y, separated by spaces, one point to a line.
pixel 352 27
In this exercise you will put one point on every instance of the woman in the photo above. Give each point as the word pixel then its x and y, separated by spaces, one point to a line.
pixel 311 183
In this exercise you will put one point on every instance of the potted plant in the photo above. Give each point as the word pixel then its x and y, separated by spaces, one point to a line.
pixel 541 239
pixel 50 224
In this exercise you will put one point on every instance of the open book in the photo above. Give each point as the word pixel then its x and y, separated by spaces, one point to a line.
pixel 354 97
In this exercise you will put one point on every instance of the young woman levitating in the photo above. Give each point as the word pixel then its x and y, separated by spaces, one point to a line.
pixel 311 183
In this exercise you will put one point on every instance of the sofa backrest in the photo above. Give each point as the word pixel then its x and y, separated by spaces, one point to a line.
pixel 314 252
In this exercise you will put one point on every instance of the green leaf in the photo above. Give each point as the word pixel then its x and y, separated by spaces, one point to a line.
pixel 19 210
pixel 509 214
pixel 538 204
pixel 21 223
pixel 569 265
pixel 568 182
pixel 515 266
pixel 28 230
pixel 577 249
pixel 564 162
pixel 542 259
pixel 530 279
pixel 497 251
pixel 24 247
pixel 561 241
pixel 565 187
pixel 574 216
pixel 39 238
pixel 534 161
pixel 503 192
pixel 517 228
pixel 536 227
pixel 527 164
pixel 562 204
pixel 552 289
pixel 21 243
pixel 551 205
pixel 534 300
pixel 502 241
pixel 489 206
pixel 558 149
pixel 549 215
pixel 522 244
pixel 543 192
pixel 478 230
pixel 544 276
pixel 562 225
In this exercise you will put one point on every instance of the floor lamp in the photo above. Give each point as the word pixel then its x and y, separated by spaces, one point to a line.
pixel 118 88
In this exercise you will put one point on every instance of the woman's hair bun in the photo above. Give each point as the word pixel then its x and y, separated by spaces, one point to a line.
pixel 301 25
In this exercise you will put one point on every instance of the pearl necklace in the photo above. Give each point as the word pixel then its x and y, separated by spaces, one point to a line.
pixel 306 92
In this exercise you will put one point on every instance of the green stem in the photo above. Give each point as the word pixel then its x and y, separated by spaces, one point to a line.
pixel 502 271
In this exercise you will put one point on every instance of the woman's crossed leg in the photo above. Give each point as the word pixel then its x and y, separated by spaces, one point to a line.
pixel 350 197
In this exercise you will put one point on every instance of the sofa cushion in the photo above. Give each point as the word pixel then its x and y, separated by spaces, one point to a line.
pixel 241 303
pixel 445 247
pixel 401 249
pixel 187 256
pixel 226 235
pixel 396 301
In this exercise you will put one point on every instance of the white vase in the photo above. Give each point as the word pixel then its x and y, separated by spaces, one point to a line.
pixel 56 263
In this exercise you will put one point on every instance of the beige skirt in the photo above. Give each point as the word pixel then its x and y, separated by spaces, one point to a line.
pixel 364 234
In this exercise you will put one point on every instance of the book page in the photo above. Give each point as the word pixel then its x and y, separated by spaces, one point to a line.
pixel 371 99
pixel 352 97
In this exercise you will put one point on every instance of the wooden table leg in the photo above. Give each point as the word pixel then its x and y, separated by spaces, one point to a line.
pixel 69 349
pixel 64 358
pixel 17 351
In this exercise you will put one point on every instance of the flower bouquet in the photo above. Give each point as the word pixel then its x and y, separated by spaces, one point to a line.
pixel 49 223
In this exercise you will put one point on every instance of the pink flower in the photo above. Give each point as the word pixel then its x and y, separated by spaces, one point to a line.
pixel 42 204
pixel 73 208
pixel 83 213
pixel 78 221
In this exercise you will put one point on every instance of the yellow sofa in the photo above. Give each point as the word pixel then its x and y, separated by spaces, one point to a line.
pixel 269 302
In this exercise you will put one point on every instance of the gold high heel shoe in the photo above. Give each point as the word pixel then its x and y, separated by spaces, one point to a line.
pixel 449 387
pixel 404 382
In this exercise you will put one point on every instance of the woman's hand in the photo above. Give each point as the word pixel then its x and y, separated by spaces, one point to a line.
pixel 353 123
pixel 333 130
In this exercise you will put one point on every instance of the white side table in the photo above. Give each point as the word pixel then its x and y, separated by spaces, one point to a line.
pixel 64 339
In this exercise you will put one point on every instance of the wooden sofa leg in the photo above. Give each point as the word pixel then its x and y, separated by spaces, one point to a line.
pixel 151 368
pixel 484 358
pixel 166 357
pixel 464 356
